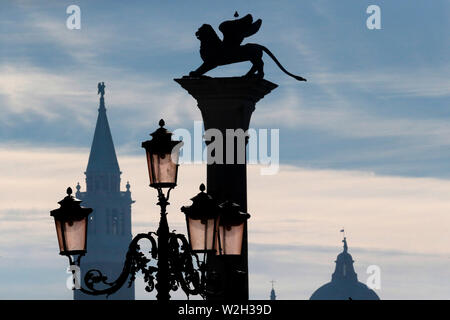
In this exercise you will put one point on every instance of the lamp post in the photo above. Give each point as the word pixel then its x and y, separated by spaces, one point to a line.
pixel 202 219
pixel 71 226
pixel 231 228
pixel 175 259
pixel 213 230
pixel 216 231
pixel 162 160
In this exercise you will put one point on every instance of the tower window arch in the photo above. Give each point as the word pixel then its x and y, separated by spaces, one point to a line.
pixel 114 225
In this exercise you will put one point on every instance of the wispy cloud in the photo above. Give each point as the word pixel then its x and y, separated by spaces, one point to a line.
pixel 35 92
pixel 432 83
pixel 344 118
pixel 318 201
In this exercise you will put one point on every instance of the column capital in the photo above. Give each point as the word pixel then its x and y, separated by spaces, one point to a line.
pixel 251 89
pixel 226 102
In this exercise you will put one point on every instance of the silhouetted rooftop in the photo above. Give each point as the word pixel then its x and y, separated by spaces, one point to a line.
pixel 344 282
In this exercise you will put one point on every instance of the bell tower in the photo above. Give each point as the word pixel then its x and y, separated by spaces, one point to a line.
pixel 109 227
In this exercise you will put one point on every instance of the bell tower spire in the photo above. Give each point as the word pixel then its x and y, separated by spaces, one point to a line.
pixel 109 226
pixel 102 173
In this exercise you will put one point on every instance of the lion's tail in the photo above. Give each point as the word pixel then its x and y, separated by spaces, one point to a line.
pixel 280 66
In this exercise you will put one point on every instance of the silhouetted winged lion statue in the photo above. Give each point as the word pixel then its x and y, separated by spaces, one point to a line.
pixel 215 52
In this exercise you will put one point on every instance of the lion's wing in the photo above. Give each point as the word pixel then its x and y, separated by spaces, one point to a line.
pixel 234 31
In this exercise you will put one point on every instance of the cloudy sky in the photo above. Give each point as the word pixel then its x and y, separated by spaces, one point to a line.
pixel 363 144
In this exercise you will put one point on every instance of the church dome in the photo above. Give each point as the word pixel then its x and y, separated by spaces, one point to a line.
pixel 344 283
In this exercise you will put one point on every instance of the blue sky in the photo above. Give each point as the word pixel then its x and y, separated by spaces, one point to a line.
pixel 376 101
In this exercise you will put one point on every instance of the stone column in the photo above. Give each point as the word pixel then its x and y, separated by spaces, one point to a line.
pixel 228 103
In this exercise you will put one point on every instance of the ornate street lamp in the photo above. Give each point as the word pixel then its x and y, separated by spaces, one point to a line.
pixel 202 221
pixel 212 230
pixel 162 161
pixel 71 226
pixel 162 158
pixel 175 260
pixel 231 228
pixel 216 232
